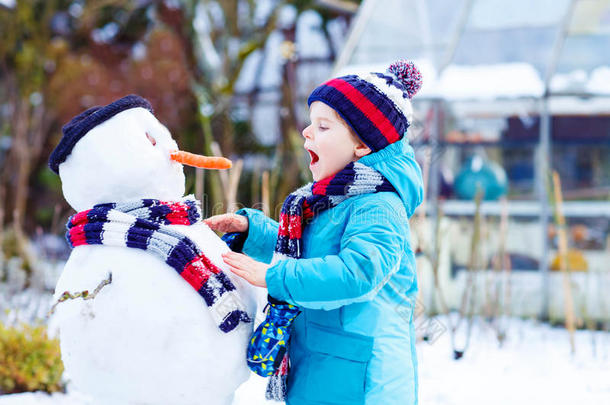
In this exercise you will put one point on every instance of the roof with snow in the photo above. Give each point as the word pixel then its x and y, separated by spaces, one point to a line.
pixel 487 49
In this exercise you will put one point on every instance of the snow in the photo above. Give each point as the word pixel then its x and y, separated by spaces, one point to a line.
pixel 534 366
pixel 599 81
pixel 595 82
pixel 510 80
pixel 469 82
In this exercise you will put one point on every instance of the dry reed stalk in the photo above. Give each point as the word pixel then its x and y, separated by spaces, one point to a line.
pixel 255 185
pixel 500 263
pixel 199 186
pixel 265 192
pixel 563 259
pixel 231 191
pixel 421 221
pixel 435 263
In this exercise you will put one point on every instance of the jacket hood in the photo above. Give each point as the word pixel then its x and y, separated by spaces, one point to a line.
pixel 396 162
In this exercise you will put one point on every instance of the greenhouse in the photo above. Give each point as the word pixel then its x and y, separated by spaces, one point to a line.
pixel 512 92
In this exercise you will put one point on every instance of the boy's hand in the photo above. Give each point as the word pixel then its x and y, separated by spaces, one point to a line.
pixel 247 268
pixel 227 223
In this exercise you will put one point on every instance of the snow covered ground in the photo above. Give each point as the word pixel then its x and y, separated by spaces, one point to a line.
pixel 534 366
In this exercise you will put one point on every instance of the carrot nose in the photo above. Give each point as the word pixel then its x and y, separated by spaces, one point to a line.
pixel 204 162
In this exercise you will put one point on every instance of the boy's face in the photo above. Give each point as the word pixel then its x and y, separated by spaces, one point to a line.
pixel 331 143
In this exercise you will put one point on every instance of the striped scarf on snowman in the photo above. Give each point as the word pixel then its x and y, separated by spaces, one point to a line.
pixel 268 348
pixel 145 224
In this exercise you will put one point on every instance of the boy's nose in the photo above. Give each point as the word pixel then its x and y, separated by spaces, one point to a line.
pixel 307 132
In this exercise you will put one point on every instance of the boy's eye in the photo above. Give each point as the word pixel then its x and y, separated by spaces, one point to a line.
pixel 322 128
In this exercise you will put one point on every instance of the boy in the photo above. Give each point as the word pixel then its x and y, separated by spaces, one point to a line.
pixel 342 247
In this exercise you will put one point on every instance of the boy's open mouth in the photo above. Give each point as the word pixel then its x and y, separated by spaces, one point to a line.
pixel 313 156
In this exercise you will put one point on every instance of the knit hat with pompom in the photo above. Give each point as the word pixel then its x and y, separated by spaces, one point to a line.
pixel 377 105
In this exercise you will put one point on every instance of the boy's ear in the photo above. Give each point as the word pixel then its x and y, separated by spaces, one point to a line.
pixel 361 149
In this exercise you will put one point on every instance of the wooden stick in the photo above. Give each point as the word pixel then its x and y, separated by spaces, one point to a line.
pixel 500 265
pixel 224 176
pixel 470 290
pixel 436 263
pixel 255 185
pixel 420 225
pixel 426 176
pixel 265 192
pixel 563 259
pixel 85 295
pixel 231 192
pixel 199 184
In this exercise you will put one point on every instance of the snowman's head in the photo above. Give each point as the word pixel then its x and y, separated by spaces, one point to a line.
pixel 121 158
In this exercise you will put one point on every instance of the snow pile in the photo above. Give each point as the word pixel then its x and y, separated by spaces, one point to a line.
pixel 469 82
pixel 579 81
pixel 599 82
pixel 509 80
pixel 534 366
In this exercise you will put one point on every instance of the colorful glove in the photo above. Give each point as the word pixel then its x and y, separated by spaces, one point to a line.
pixel 268 344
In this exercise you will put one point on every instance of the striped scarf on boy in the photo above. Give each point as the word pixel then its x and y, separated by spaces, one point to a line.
pixel 308 201
pixel 297 211
pixel 145 224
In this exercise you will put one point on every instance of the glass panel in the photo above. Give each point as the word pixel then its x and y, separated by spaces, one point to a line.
pixel 523 243
pixel 496 168
pixel 412 29
pixel 502 14
pixel 584 170
pixel 531 45
pixel 443 18
pixel 590 17
pixel 392 29
pixel 584 52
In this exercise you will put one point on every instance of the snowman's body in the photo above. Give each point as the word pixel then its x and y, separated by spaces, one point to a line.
pixel 147 337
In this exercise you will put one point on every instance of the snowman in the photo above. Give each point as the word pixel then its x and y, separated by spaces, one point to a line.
pixel 147 311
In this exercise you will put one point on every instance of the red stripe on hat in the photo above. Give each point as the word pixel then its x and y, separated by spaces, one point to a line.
pixel 361 102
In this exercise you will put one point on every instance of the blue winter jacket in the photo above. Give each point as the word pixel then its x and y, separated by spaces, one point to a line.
pixel 354 343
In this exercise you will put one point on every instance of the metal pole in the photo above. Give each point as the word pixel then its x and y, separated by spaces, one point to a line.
pixel 435 153
pixel 433 187
pixel 456 37
pixel 543 158
pixel 544 149
pixel 362 17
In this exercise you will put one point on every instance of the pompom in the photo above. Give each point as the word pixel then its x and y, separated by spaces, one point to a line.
pixel 408 74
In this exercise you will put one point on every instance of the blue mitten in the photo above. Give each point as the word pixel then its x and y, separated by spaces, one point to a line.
pixel 268 344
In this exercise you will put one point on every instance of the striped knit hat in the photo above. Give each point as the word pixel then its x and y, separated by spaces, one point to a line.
pixel 376 105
